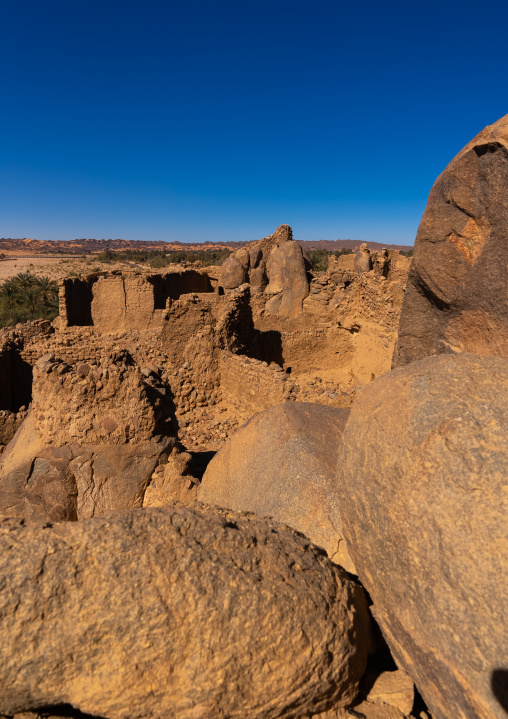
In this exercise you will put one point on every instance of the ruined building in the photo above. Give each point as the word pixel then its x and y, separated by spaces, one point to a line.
pixel 218 345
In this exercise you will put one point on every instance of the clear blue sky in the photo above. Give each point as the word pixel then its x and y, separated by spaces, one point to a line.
pixel 221 119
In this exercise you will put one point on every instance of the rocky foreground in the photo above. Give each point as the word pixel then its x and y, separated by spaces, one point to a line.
pixel 394 573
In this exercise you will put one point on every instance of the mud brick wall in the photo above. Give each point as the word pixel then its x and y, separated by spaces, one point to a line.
pixel 310 350
pixel 113 301
pixel 250 386
pixel 99 404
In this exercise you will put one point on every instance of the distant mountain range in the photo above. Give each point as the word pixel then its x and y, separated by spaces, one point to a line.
pixel 88 245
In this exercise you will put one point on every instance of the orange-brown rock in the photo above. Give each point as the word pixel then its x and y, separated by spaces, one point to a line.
pixel 422 475
pixel 233 273
pixel 457 292
pixel 363 260
pixel 275 265
pixel 90 442
pixel 287 275
pixel 282 463
pixel 176 613
pixel 173 481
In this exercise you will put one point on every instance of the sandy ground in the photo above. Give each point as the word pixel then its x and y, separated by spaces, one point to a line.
pixel 56 268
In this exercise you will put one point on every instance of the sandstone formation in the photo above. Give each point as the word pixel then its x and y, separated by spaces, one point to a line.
pixel 276 266
pixel 457 292
pixel 282 464
pixel 422 480
pixel 90 442
pixel 176 612
pixel 173 481
pixel 363 260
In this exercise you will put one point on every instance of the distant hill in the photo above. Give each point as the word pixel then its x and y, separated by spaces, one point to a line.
pixel 333 245
pixel 29 247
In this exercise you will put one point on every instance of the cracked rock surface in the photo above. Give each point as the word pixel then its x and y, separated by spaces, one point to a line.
pixel 176 612
pixel 457 295
pixel 422 481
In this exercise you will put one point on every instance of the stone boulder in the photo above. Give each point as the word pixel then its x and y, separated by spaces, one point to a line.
pixel 90 442
pixel 275 265
pixel 422 475
pixel 457 296
pixel 176 613
pixel 286 272
pixel 282 463
pixel 233 273
pixel 363 260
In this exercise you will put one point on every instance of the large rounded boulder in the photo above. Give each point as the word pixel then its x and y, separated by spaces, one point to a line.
pixel 176 613
pixel 456 298
pixel 422 478
pixel 282 463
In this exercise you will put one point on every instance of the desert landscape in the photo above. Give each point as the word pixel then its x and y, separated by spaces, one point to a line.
pixel 264 488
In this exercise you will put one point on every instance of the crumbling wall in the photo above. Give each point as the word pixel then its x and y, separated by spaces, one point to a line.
pixel 125 301
pixel 250 385
pixel 313 349
pixel 6 378
pixel 75 301
pixel 106 404
pixel 175 284
pixel 341 263
pixel 399 267
pixel 90 442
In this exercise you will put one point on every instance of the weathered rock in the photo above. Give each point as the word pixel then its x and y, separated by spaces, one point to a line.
pixel 173 481
pixel 275 264
pixel 258 278
pixel 286 272
pixel 363 260
pixel 282 463
pixel 381 262
pixel 89 444
pixel 457 292
pixel 233 273
pixel 176 612
pixel 395 689
pixel 422 477
pixel 255 256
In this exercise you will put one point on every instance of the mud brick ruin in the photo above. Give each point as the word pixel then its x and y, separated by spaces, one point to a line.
pixel 226 342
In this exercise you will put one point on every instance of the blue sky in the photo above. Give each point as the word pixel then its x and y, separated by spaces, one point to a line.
pixel 220 120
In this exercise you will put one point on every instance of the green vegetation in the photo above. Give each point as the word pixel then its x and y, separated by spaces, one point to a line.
pixel 163 259
pixel 26 297
pixel 406 253
pixel 319 258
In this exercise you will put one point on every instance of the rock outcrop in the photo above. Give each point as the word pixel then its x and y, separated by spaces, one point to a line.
pixel 90 442
pixel 276 266
pixel 176 613
pixel 457 292
pixel 282 463
pixel 422 480
pixel 363 260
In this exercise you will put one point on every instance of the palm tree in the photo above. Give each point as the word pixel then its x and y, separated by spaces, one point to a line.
pixel 30 298
pixel 24 280
pixel 9 292
pixel 48 294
